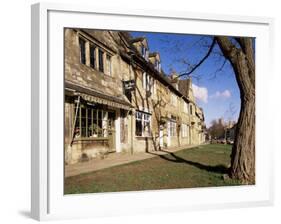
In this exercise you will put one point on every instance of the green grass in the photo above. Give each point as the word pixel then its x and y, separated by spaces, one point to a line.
pixel 202 166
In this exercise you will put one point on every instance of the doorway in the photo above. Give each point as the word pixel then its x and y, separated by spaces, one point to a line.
pixel 111 131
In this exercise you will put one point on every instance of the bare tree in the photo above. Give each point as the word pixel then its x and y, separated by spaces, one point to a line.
pixel 242 60
pixel 216 129
pixel 240 53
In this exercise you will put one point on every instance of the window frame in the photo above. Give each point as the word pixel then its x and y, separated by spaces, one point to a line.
pixel 174 99
pixel 185 130
pixel 191 109
pixel 101 59
pixel 80 39
pixel 94 47
pixel 172 128
pixel 96 121
pixel 144 118
pixel 185 107
pixel 108 67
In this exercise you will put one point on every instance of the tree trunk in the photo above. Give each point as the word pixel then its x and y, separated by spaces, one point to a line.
pixel 243 152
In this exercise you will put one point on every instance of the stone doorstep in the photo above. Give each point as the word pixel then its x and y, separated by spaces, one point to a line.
pixel 115 159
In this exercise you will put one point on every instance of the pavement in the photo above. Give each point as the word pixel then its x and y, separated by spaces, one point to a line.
pixel 114 159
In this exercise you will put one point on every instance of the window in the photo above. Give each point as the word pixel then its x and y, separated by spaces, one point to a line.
pixel 138 124
pixel 144 80
pixel 108 65
pixel 185 107
pixel 173 128
pixel 148 82
pixel 101 68
pixel 185 130
pixel 173 99
pixel 191 112
pixel 143 125
pixel 93 56
pixel 143 51
pixel 157 66
pixel 92 123
pixel 82 45
pixel 154 87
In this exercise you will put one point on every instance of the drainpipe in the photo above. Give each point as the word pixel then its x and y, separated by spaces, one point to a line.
pixel 132 137
pixel 132 112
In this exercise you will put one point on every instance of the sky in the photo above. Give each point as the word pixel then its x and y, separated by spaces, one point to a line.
pixel 214 85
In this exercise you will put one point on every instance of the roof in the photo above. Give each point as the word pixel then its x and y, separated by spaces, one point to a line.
pixel 137 39
pixel 153 54
pixel 160 75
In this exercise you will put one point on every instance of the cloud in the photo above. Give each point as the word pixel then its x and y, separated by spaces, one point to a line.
pixel 221 95
pixel 200 93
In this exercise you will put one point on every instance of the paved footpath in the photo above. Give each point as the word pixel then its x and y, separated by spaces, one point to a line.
pixel 115 159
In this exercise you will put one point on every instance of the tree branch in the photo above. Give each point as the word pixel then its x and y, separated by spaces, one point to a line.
pixel 201 61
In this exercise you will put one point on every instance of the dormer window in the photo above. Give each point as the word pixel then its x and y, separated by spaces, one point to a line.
pixel 157 66
pixel 144 52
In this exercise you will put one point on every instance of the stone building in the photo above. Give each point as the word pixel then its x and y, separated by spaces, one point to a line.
pixel 118 99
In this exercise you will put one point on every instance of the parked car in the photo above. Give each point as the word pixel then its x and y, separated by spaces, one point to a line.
pixel 230 142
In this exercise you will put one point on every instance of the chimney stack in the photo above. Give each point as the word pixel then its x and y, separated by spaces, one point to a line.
pixel 174 79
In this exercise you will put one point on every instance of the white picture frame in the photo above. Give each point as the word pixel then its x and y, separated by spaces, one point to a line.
pixel 48 201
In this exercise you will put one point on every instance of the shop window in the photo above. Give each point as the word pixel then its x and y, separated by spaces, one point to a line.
pixel 92 123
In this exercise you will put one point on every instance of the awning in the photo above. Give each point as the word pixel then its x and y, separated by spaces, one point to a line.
pixel 95 99
pixel 93 96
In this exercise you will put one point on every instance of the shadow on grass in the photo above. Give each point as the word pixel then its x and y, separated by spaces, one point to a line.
pixel 221 169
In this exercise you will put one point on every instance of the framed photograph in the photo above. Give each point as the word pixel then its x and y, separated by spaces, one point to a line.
pixel 148 111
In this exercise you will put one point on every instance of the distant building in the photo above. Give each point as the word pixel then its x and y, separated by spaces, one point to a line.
pixel 230 132
pixel 117 98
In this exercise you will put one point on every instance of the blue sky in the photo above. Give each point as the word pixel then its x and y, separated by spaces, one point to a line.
pixel 215 89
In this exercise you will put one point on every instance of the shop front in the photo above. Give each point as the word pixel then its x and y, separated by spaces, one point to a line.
pixel 92 126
